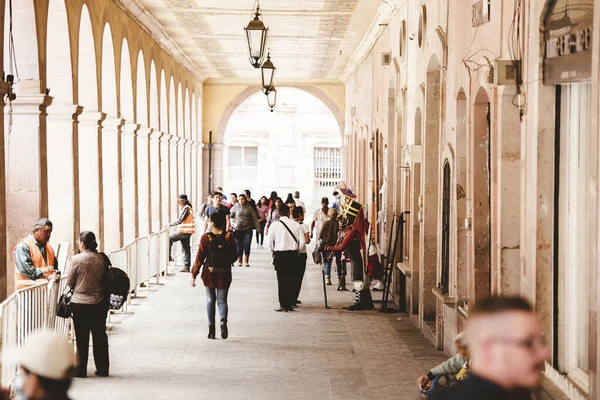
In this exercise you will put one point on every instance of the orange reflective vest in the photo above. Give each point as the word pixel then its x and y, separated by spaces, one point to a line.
pixel 37 259
pixel 188 226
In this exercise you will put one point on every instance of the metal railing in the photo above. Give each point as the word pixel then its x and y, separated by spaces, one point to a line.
pixel 35 307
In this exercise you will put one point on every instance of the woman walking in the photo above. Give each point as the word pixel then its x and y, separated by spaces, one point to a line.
pixel 273 214
pixel 245 220
pixel 216 254
pixel 262 209
pixel 87 274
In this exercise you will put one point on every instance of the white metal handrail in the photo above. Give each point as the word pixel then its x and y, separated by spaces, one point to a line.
pixel 35 307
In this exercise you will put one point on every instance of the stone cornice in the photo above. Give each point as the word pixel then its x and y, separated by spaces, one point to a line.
pixel 64 113
pixel 144 132
pixel 138 13
pixel 386 11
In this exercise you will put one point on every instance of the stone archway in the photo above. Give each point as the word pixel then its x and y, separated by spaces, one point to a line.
pixel 249 91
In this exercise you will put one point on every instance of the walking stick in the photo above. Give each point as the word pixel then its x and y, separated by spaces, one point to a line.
pixel 324 287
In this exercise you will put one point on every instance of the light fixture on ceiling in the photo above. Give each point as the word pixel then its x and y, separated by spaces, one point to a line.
pixel 256 35
pixel 272 98
pixel 268 75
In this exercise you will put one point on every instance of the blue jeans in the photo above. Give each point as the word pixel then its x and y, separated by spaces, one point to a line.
pixel 244 241
pixel 338 261
pixel 214 297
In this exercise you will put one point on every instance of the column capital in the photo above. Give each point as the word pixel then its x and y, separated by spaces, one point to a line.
pixel 113 122
pixel 27 104
pixel 171 138
pixel 156 134
pixel 144 132
pixel 64 112
pixel 130 129
pixel 92 117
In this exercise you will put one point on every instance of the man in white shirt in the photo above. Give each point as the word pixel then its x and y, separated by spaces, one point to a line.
pixel 298 216
pixel 299 203
pixel 319 218
pixel 285 239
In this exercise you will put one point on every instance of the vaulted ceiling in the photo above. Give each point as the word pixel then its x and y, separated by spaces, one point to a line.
pixel 309 39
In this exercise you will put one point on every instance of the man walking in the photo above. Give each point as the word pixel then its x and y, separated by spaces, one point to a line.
pixel 217 206
pixel 251 201
pixel 508 352
pixel 299 203
pixel 298 216
pixel 186 227
pixel 35 260
pixel 285 238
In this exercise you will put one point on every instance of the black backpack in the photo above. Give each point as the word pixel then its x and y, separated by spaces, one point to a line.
pixel 116 286
pixel 222 252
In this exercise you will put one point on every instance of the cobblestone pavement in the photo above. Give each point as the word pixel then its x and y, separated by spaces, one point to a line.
pixel 160 349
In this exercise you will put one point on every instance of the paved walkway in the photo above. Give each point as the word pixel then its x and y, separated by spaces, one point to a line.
pixel 160 350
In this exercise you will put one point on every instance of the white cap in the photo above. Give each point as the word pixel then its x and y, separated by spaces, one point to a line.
pixel 45 353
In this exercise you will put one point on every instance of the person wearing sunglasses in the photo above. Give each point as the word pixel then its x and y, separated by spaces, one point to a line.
pixel 508 352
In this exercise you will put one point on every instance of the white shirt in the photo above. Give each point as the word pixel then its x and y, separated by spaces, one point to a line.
pixel 320 217
pixel 300 203
pixel 305 229
pixel 279 239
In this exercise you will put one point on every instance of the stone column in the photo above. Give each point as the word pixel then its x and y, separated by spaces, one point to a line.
pixel 155 181
pixel 197 188
pixel 3 253
pixel 143 186
pixel 181 170
pixel 173 177
pixel 26 169
pixel 165 178
pixel 112 190
pixel 129 182
pixel 63 178
pixel 90 190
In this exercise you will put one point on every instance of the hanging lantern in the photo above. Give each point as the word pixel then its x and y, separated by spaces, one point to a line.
pixel 268 74
pixel 272 97
pixel 256 34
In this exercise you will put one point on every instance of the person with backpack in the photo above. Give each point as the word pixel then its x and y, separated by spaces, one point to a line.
pixel 217 251
pixel 87 275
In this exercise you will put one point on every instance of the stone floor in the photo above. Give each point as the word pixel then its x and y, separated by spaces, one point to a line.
pixel 160 349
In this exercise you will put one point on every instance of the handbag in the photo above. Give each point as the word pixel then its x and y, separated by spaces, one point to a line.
pixel 63 308
pixel 317 255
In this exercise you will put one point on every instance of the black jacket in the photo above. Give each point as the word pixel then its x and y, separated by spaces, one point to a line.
pixel 477 388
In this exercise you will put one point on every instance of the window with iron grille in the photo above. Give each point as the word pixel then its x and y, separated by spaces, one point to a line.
pixel 444 278
pixel 241 156
pixel 328 166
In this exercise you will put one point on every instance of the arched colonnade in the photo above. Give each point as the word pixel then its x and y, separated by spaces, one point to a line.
pixel 105 131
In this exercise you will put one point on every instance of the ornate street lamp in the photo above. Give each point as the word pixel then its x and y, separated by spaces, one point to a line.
pixel 268 74
pixel 256 34
pixel 272 97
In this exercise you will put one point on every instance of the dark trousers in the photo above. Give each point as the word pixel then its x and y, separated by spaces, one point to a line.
pixel 286 266
pixel 184 238
pixel 91 318
pixel 300 270
pixel 261 234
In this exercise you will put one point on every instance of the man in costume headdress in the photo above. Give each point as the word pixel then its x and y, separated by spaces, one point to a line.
pixel 353 240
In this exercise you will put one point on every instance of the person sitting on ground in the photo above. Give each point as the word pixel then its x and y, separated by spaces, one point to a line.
pixel 216 253
pixel 47 363
pixel 508 352
pixel 451 367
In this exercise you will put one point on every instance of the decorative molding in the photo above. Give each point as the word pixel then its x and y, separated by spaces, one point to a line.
pixel 386 11
pixel 138 13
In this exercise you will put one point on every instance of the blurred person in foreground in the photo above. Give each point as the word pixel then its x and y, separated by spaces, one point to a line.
pixel 508 352
pixel 47 363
